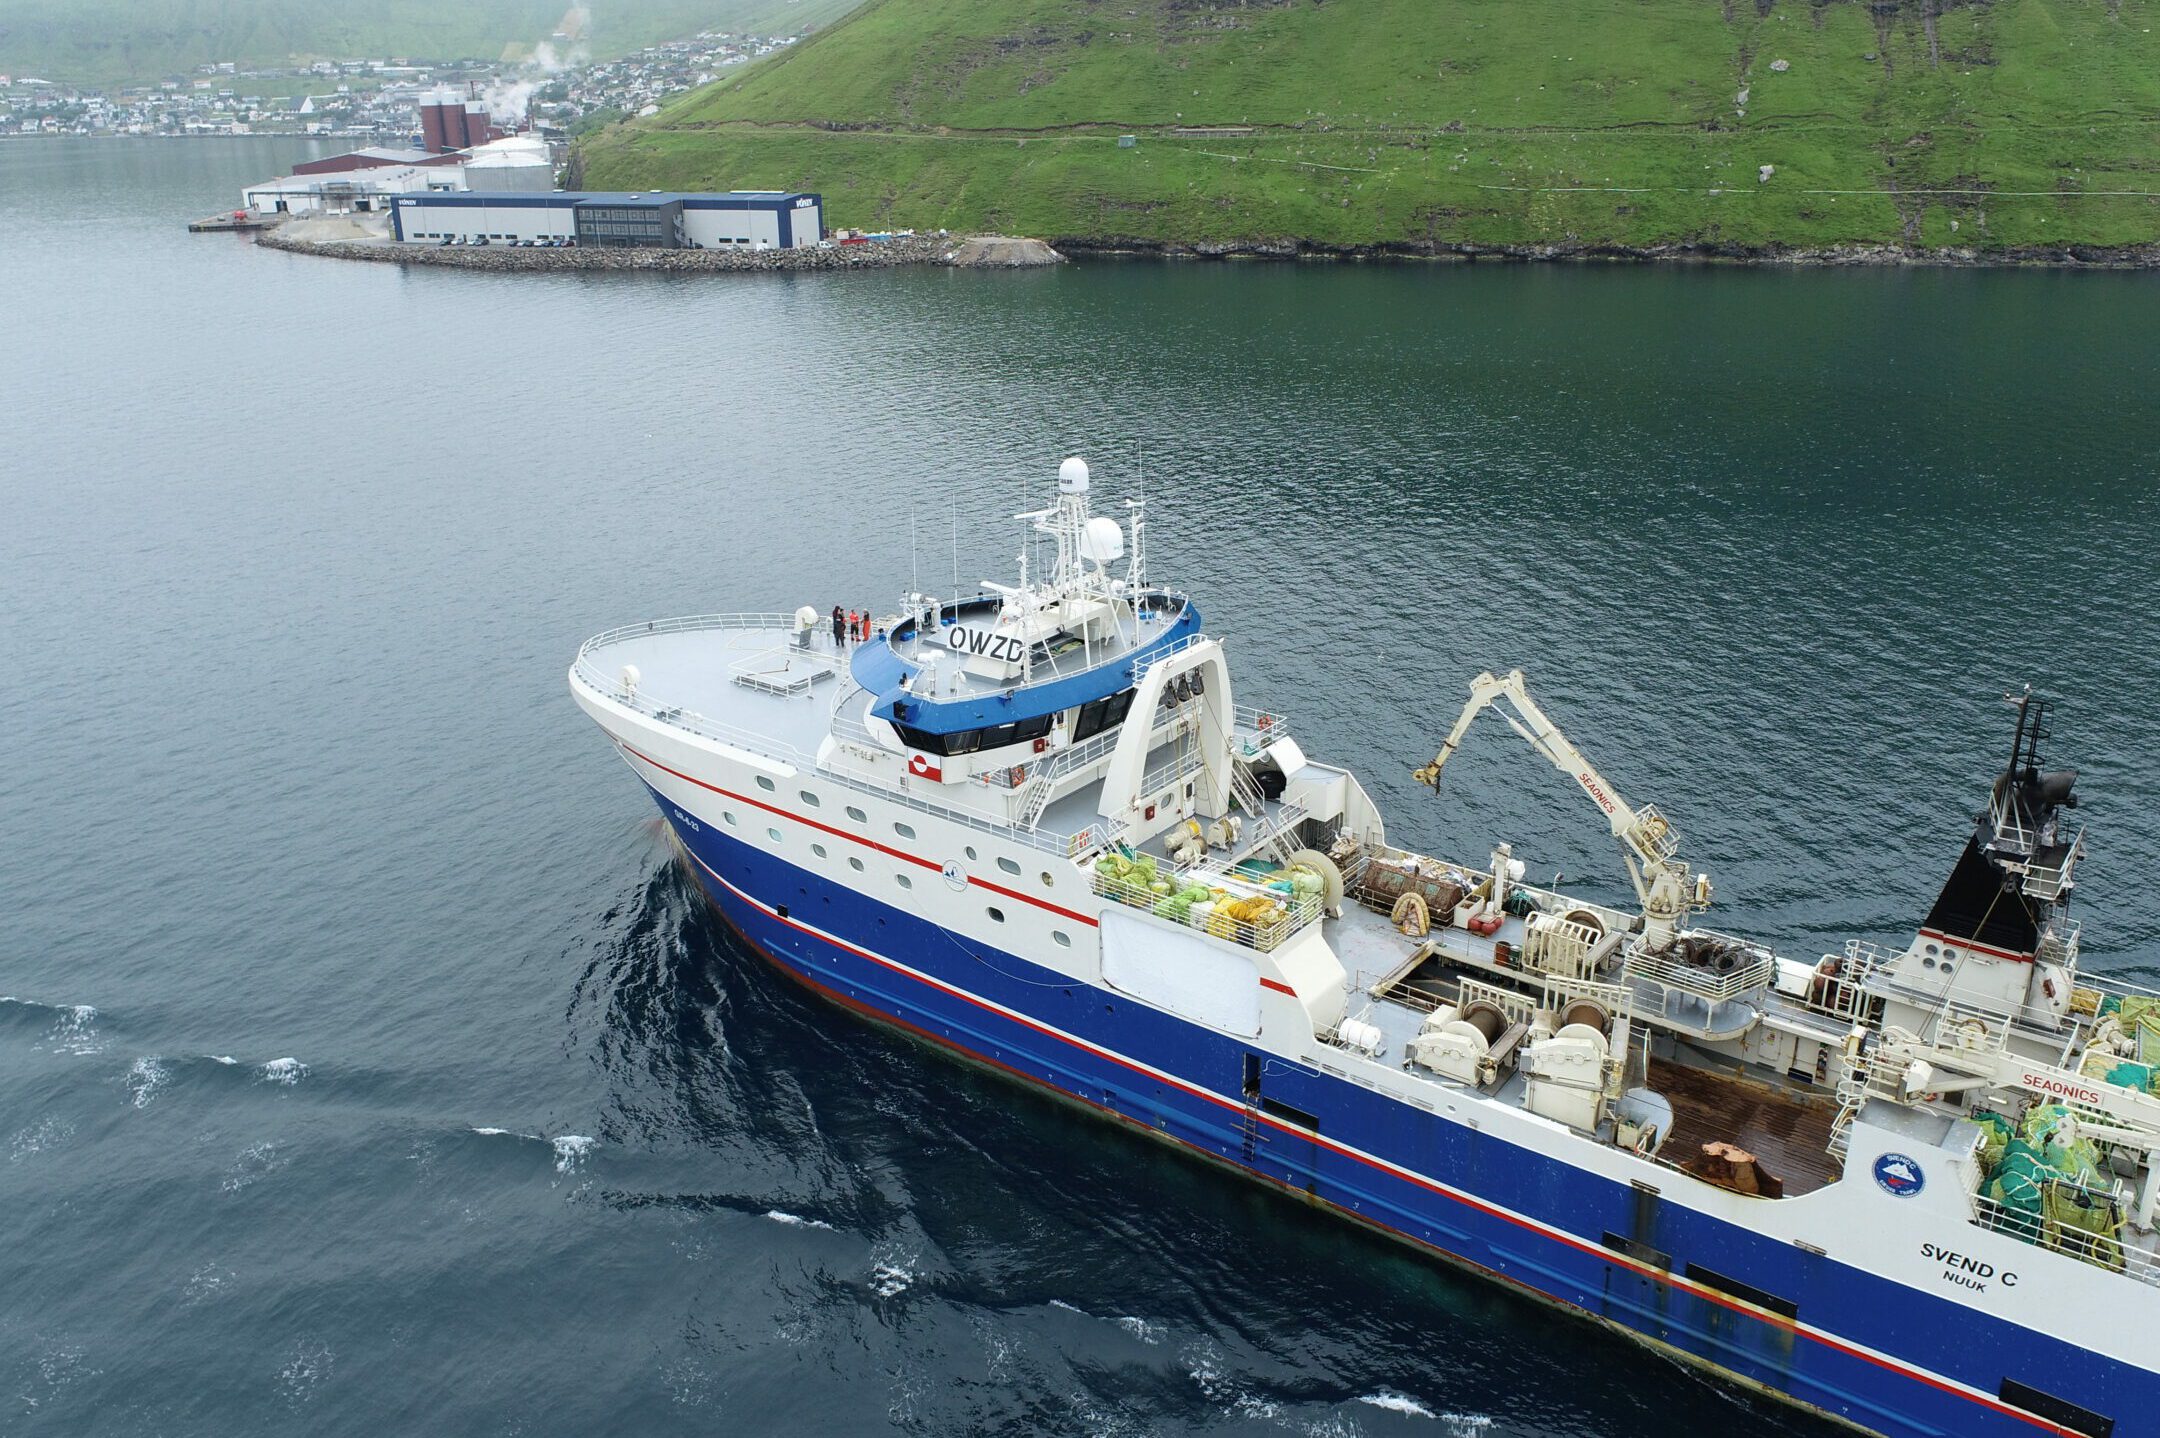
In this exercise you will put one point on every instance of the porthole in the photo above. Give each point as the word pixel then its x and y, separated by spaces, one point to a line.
pixel 971 852
pixel 997 915
pixel 1927 963
pixel 903 881
pixel 809 798
pixel 1064 940
pixel 1010 866
pixel 905 831
pixel 1049 879
pixel 729 815
pixel 818 849
pixel 857 815
pixel 855 864
pixel 765 783
pixel 773 834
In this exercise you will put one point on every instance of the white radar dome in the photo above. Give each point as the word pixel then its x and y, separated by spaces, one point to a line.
pixel 806 618
pixel 1102 541
pixel 1073 476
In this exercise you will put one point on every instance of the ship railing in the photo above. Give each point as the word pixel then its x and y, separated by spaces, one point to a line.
pixel 2059 945
pixel 1842 992
pixel 1284 916
pixel 2074 1220
pixel 1071 846
pixel 2046 882
pixel 675 716
pixel 849 729
pixel 1755 971
pixel 1254 729
pixel 1172 773
pixel 687 623
pixel 1055 764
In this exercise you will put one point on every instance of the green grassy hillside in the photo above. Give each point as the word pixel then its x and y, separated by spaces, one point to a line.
pixel 111 41
pixel 1419 122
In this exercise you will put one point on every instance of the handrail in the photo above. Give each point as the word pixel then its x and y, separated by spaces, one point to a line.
pixel 1293 912
pixel 690 719
pixel 2105 1251
pixel 687 623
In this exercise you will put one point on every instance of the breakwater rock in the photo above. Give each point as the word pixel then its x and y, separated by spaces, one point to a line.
pixel 876 254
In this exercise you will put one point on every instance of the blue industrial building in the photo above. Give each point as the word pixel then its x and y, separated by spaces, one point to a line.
pixel 647 219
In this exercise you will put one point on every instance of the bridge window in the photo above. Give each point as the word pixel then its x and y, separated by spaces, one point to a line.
pixel 1101 714
pixel 968 741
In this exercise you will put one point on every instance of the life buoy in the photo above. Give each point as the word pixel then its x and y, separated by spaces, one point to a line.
pixel 1267 722
pixel 1018 776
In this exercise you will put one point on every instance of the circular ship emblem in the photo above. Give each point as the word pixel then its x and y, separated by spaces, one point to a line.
pixel 953 874
pixel 1898 1175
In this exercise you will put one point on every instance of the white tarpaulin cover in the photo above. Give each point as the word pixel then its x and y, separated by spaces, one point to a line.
pixel 1182 970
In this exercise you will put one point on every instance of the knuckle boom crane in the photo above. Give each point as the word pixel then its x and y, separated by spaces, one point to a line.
pixel 1666 888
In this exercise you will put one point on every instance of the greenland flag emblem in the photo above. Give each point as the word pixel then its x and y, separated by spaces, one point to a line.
pixel 923 767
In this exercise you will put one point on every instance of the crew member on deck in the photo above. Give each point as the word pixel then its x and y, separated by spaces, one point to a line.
pixel 839 631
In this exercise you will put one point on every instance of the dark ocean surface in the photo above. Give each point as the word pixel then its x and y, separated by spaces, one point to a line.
pixel 369 1067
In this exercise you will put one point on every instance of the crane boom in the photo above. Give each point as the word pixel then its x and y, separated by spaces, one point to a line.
pixel 1668 891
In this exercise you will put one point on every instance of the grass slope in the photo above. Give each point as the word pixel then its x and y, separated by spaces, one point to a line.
pixel 1496 122
pixel 112 41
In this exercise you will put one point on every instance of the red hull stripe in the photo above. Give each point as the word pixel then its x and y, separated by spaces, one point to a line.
pixel 867 843
pixel 1278 987
pixel 1516 1220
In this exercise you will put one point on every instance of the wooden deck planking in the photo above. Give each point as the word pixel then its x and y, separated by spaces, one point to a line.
pixel 1789 1136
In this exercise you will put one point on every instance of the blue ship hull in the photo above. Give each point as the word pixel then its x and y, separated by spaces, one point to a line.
pixel 1877 1354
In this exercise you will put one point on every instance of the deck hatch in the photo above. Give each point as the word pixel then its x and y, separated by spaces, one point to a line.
pixel 1745 1292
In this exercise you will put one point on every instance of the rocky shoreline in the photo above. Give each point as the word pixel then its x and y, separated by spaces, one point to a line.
pixel 995 252
pixel 884 254
pixel 2089 257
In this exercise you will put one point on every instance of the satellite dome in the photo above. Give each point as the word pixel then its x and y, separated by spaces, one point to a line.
pixel 1102 542
pixel 1073 476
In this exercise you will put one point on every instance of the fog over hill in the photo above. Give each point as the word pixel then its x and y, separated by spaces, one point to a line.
pixel 105 42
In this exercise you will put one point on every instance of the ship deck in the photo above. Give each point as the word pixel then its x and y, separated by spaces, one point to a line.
pixel 738 678
pixel 1789 1135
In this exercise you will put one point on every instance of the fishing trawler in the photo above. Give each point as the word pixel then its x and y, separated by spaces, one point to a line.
pixel 1909 1187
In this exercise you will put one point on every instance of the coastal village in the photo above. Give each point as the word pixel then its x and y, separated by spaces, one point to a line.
pixel 551 84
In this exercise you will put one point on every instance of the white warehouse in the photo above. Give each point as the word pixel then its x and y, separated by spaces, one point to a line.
pixel 747 219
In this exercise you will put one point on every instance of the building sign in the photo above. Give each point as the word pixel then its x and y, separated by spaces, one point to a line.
pixel 964 639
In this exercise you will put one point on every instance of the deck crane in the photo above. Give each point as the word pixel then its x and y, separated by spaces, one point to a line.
pixel 1668 890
